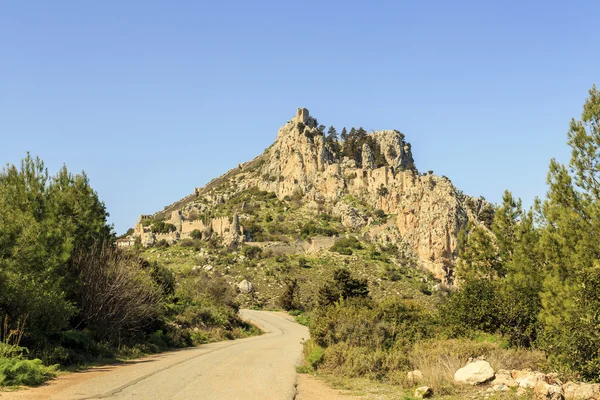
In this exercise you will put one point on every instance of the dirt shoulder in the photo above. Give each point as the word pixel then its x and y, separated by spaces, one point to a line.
pixel 311 388
pixel 65 381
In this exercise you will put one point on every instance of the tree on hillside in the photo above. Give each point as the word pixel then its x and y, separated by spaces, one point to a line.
pixel 343 286
pixel 344 134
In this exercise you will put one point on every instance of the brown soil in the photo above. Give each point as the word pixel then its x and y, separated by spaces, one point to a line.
pixel 311 388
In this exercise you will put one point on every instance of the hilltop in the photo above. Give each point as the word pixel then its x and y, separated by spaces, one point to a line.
pixel 309 189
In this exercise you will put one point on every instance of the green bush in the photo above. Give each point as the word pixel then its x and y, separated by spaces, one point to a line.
pixel 288 300
pixel 303 262
pixel 311 229
pixel 364 338
pixel 159 340
pixel 343 286
pixel 316 356
pixel 473 307
pixel 252 252
pixel 18 371
pixel 302 319
pixel 162 227
pixel 346 246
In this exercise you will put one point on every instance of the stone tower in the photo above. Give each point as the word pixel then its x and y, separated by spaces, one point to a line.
pixel 302 115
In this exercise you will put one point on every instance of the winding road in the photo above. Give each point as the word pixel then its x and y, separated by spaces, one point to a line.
pixel 260 367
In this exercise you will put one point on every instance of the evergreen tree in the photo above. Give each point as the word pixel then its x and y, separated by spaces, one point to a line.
pixel 332 141
pixel 332 134
pixel 520 291
pixel 344 134
pixel 505 225
pixel 570 247
pixel 479 255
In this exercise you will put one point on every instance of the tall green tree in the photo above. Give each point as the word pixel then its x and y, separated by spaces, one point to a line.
pixel 519 291
pixel 505 225
pixel 570 246
pixel 44 222
pixel 479 255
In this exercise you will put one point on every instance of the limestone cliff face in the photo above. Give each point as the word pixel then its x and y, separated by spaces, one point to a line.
pixel 429 211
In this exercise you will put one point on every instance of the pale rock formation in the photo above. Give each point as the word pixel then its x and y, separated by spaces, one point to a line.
pixel 526 378
pixel 368 159
pixel 503 377
pixel 500 388
pixel 547 391
pixel 474 373
pixel 396 151
pixel 348 163
pixel 245 287
pixel 581 391
pixel 423 392
pixel 350 217
pixel 427 210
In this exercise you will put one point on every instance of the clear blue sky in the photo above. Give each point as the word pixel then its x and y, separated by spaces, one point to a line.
pixel 154 98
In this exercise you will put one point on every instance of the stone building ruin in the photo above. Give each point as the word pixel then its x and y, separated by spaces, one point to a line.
pixel 228 229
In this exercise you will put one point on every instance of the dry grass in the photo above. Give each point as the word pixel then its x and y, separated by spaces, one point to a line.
pixel 438 360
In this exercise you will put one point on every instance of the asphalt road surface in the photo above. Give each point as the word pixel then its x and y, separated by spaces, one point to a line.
pixel 260 367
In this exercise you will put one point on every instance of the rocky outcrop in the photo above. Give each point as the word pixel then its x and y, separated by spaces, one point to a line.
pixel 503 377
pixel 368 159
pixel 548 391
pixel 581 391
pixel 428 212
pixel 542 386
pixel 349 215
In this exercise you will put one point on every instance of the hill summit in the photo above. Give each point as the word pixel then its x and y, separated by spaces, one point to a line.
pixel 366 181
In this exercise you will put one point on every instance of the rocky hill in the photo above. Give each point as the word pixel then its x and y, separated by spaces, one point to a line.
pixel 364 184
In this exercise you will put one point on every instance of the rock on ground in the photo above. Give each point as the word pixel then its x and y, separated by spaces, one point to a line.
pixel 475 373
pixel 423 392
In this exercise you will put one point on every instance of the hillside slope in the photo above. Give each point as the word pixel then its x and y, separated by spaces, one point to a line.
pixel 364 184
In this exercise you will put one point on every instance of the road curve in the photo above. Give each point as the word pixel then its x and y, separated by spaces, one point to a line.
pixel 260 367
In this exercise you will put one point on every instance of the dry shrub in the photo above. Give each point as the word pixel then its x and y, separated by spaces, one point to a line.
pixel 354 362
pixel 438 360
pixel 517 359
pixel 117 294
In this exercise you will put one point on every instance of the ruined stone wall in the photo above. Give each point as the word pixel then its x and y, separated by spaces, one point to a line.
pixel 220 226
pixel 188 226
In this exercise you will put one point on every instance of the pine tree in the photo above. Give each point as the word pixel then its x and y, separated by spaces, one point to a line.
pixel 506 220
pixel 570 247
pixel 479 255
pixel 332 134
pixel 519 291
pixel 344 134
